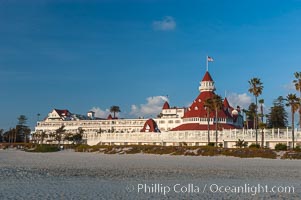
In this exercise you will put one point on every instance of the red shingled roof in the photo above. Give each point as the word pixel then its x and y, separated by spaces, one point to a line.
pixel 62 113
pixel 151 126
pixel 197 107
pixel 110 117
pixel 166 105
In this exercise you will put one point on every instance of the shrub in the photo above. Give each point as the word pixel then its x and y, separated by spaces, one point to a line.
pixel 44 148
pixel 183 144
pixel 298 148
pixel 208 151
pixel 291 155
pixel 211 144
pixel 82 148
pixel 250 153
pixel 241 143
pixel 3 146
pixel 254 146
pixel 281 147
pixel 133 150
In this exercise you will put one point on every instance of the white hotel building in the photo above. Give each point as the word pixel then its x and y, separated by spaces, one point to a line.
pixel 175 126
pixel 172 119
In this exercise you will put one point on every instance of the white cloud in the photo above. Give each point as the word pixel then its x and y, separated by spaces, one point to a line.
pixel 290 86
pixel 242 100
pixel 152 107
pixel 166 24
pixel 100 113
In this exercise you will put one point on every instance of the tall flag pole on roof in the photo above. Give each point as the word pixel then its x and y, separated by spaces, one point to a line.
pixel 208 59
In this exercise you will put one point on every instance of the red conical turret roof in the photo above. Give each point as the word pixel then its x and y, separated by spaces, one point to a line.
pixel 207 77
pixel 166 105
pixel 226 103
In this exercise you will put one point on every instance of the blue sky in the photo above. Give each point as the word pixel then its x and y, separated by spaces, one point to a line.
pixel 83 55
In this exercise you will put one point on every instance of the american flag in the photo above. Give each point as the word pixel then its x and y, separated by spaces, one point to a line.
pixel 210 59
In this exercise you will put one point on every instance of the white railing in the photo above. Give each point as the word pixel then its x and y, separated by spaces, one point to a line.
pixel 270 135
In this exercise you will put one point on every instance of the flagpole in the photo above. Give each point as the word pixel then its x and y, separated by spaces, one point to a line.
pixel 207 63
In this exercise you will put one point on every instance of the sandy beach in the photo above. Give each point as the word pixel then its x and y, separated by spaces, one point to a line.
pixel 71 175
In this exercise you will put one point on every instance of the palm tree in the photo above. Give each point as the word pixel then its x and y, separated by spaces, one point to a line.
pixel 294 102
pixel 256 88
pixel 241 143
pixel 262 126
pixel 261 102
pixel 266 118
pixel 297 83
pixel 114 110
pixel 215 104
pixel 218 105
pixel 207 106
